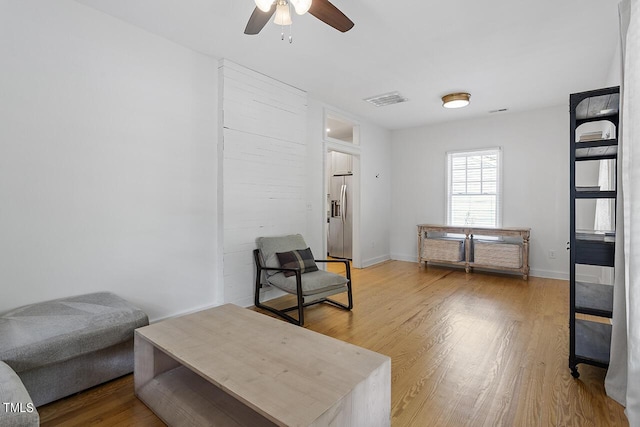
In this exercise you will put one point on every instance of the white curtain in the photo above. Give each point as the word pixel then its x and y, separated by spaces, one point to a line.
pixel 623 378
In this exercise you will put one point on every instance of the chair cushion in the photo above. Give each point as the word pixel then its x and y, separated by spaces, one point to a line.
pixel 314 282
pixel 269 246
pixel 300 258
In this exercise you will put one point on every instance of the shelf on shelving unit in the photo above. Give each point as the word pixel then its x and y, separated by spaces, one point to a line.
pixel 594 298
pixel 593 341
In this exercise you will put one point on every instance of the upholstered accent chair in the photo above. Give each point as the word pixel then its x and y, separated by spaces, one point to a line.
pixel 286 263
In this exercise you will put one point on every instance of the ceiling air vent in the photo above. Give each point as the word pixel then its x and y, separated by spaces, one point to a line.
pixel 386 99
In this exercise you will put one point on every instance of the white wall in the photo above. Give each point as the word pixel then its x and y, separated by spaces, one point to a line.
pixel 535 176
pixel 107 161
pixel 375 201
pixel 264 170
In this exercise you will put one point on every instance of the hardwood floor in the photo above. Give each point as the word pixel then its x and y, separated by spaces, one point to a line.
pixel 467 350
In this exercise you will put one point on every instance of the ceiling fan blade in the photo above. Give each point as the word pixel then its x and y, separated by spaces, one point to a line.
pixel 258 20
pixel 330 15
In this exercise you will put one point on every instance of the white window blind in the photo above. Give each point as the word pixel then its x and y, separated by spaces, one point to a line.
pixel 474 188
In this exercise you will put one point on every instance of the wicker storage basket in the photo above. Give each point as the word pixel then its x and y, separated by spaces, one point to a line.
pixel 497 253
pixel 443 249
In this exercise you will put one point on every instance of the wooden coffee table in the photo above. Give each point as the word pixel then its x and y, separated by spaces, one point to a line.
pixel 231 366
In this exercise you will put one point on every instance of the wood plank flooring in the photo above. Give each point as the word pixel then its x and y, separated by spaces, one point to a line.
pixel 467 350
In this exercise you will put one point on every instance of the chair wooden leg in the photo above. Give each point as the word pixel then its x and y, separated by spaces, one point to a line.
pixel 281 313
pixel 300 298
pixel 339 304
pixel 349 290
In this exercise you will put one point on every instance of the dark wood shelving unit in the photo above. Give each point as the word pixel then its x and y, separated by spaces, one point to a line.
pixel 590 341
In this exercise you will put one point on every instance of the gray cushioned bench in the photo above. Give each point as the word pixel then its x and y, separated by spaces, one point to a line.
pixel 64 346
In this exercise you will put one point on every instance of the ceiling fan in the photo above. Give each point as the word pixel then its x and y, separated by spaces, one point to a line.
pixel 321 9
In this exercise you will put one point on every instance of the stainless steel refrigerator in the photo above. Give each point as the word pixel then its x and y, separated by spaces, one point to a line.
pixel 341 214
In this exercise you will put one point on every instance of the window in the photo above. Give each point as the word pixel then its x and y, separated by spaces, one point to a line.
pixel 341 130
pixel 474 188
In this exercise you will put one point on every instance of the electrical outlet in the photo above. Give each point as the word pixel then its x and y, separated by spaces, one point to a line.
pixel 552 254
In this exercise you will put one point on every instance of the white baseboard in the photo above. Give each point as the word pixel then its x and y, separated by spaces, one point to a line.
pixel 268 293
pixel 546 274
pixel 409 258
pixel 185 312
pixel 373 261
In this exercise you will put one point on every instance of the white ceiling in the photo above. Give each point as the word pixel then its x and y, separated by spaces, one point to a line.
pixel 510 54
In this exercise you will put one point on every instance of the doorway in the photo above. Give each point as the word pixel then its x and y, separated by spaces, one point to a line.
pixel 340 200
pixel 342 187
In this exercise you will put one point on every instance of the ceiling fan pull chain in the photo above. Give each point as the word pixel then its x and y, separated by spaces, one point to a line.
pixel 290 24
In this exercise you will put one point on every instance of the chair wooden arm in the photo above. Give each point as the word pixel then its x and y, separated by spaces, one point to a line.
pixel 345 261
pixel 279 268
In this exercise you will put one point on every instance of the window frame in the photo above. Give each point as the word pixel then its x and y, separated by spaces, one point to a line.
pixel 499 185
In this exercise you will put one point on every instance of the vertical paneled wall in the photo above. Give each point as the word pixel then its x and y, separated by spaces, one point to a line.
pixel 264 161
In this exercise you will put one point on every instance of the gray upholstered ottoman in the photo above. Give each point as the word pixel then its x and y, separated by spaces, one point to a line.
pixel 60 347
pixel 16 407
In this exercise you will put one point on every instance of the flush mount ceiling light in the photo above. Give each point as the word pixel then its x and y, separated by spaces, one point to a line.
pixel 456 100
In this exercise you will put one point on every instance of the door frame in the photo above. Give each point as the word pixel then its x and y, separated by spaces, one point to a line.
pixel 353 149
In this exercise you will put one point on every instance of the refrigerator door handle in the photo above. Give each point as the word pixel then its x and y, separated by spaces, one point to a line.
pixel 343 202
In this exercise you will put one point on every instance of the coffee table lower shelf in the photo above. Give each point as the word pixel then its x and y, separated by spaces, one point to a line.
pixel 180 397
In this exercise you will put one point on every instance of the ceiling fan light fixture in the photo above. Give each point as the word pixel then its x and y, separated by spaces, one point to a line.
pixel 320 9
pixel 456 100
pixel 301 6
pixel 264 5
pixel 283 16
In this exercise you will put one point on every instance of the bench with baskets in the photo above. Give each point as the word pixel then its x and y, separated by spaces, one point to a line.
pixel 502 249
